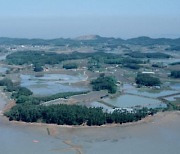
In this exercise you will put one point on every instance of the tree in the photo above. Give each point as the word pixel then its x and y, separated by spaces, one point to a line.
pixel 38 68
pixel 147 80
pixel 74 114
pixel 104 83
pixel 175 74
pixel 70 66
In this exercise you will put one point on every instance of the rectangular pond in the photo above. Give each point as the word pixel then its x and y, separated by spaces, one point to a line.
pixel 152 93
pixel 175 86
pixel 130 101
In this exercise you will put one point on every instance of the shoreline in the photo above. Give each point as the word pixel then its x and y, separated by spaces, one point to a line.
pixel 147 119
pixel 9 104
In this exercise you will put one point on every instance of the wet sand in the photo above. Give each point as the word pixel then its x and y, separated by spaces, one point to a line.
pixel 154 134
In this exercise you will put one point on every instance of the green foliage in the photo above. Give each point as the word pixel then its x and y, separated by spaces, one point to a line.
pixel 9 85
pixel 98 40
pixel 121 60
pixel 155 65
pixel 175 74
pixel 104 83
pixel 21 94
pixel 56 96
pixel 175 63
pixel 149 41
pixel 132 66
pixel 38 68
pixel 174 48
pixel 15 89
pixel 41 58
pixel 147 80
pixel 6 82
pixel 37 100
pixel 73 114
pixel 148 55
pixel 94 63
pixel 24 91
pixel 25 112
pixel 70 66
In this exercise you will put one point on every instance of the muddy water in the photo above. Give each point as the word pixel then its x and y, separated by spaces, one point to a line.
pixel 159 134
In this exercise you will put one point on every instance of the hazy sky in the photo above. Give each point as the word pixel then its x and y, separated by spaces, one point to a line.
pixel 71 18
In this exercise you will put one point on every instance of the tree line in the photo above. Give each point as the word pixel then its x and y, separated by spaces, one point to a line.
pixel 40 58
pixel 74 114
pixel 148 55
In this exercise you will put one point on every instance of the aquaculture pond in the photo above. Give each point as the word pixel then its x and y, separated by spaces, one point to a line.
pixel 152 93
pixel 173 98
pixel 175 86
pixel 130 101
pixel 3 57
pixel 166 61
pixel 3 69
pixel 52 83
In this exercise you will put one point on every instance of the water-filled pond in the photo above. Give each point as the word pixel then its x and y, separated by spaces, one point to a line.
pixel 3 57
pixel 166 61
pixel 3 69
pixel 173 98
pixel 153 93
pixel 52 83
pixel 175 86
pixel 130 101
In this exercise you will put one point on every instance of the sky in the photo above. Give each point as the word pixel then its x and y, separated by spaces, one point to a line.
pixel 72 18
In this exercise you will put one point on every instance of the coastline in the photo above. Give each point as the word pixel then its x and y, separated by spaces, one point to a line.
pixel 9 104
pixel 147 119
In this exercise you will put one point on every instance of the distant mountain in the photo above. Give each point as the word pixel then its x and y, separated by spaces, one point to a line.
pixel 20 41
pixel 88 37
pixel 90 40
pixel 150 41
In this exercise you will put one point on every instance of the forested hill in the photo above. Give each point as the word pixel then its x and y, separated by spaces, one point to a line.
pixel 90 40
